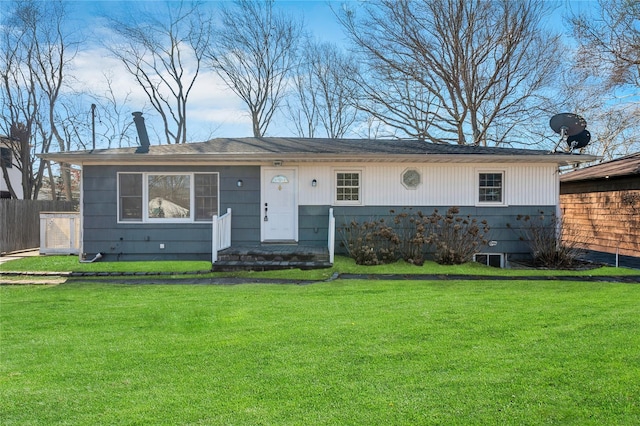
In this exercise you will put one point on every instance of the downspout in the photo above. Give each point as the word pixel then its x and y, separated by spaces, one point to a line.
pixel 98 256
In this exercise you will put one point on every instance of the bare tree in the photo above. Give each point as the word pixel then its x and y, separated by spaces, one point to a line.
pixel 254 54
pixel 475 67
pixel 399 101
pixel 107 123
pixel 324 92
pixel 114 123
pixel 163 51
pixel 609 42
pixel 604 81
pixel 36 53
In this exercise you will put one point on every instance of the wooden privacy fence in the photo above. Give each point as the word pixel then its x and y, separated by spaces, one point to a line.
pixel 20 221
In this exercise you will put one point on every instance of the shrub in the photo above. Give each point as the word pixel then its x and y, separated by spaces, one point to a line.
pixel 456 238
pixel 414 235
pixel 453 239
pixel 369 243
pixel 542 233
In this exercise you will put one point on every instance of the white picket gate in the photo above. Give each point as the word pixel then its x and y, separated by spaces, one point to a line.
pixel 59 233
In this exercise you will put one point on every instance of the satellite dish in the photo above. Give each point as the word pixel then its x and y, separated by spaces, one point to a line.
pixel 580 140
pixel 572 130
pixel 572 124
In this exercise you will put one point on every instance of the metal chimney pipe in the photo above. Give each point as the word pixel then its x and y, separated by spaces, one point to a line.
pixel 142 133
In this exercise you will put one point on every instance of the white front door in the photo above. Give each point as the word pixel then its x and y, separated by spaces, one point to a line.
pixel 279 205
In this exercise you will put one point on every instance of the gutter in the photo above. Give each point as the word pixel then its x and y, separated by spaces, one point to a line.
pixel 264 158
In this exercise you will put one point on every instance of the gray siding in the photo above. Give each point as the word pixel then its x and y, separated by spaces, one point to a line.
pixel 313 225
pixel 141 241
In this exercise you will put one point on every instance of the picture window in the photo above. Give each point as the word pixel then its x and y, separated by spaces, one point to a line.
pixel 157 197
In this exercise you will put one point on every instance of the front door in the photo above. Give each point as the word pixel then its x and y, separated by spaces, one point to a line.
pixel 279 205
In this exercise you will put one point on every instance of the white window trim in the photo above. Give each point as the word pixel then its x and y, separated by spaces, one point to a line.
pixel 476 184
pixel 145 198
pixel 337 202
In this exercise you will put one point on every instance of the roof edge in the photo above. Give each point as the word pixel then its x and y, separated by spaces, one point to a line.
pixel 80 159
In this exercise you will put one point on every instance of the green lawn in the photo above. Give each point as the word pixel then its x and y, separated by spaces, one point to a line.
pixel 345 352
pixel 342 265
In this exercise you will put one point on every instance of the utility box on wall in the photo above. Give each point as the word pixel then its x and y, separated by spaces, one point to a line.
pixel 59 233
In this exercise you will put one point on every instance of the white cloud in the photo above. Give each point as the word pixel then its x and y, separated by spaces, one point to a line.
pixel 212 108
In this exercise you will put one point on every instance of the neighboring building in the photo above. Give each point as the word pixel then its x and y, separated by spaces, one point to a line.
pixel 15 176
pixel 157 203
pixel 601 206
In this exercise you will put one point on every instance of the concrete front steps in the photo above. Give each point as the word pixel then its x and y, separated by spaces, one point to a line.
pixel 266 257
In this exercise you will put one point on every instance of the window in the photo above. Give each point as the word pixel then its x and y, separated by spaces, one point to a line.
pixel 490 189
pixel 171 197
pixel 5 158
pixel 411 178
pixel 490 259
pixel 206 197
pixel 130 189
pixel 348 187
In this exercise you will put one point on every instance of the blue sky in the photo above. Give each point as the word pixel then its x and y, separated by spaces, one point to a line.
pixel 214 111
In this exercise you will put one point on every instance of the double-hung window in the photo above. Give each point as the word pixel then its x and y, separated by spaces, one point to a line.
pixel 130 197
pixel 491 188
pixel 167 197
pixel 348 187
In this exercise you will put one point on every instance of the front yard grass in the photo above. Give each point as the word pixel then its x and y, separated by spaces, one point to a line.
pixel 345 352
pixel 342 265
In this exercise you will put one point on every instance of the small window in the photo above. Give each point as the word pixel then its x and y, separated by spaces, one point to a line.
pixel 490 188
pixel 6 158
pixel 490 259
pixel 411 178
pixel 280 179
pixel 348 187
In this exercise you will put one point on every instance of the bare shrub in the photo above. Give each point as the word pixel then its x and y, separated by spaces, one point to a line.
pixel 456 238
pixel 453 239
pixel 542 233
pixel 369 243
pixel 414 235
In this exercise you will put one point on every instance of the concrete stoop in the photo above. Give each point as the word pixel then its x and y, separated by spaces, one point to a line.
pixel 271 257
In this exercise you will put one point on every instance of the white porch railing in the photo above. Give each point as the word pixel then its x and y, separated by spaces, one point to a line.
pixel 332 236
pixel 220 234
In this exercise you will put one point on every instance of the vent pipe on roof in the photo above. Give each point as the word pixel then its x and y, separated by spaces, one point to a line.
pixel 142 133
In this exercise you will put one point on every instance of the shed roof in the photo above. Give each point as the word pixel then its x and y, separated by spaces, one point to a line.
pixel 620 167
pixel 247 150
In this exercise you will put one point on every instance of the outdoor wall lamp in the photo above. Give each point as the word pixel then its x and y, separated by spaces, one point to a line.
pixel 239 183
pixel 314 183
